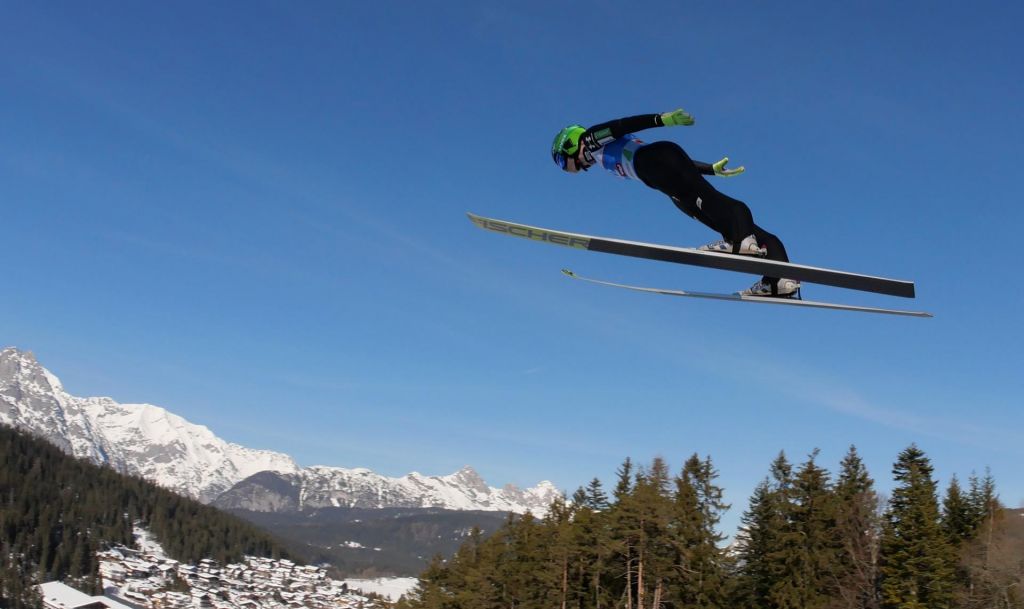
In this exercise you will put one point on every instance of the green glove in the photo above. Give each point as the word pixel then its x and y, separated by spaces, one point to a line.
pixel 720 169
pixel 676 118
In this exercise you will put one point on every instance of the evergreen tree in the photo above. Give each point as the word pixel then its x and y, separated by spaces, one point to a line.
pixel 432 590
pixel 755 541
pixel 701 564
pixel 813 520
pixel 959 520
pixel 641 519
pixel 624 538
pixel 787 555
pixel 596 499
pixel 592 547
pixel 473 581
pixel 769 543
pixel 982 499
pixel 562 557
pixel 525 575
pixel 916 561
pixel 858 531
pixel 625 480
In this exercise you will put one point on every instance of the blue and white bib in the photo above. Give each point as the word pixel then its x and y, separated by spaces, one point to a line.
pixel 617 156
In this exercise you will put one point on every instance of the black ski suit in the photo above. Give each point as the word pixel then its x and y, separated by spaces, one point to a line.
pixel 665 166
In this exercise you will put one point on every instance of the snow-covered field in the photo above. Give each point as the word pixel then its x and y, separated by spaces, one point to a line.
pixel 148 543
pixel 390 587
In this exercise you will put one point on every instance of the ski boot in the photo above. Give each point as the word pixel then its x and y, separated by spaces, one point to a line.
pixel 786 288
pixel 748 247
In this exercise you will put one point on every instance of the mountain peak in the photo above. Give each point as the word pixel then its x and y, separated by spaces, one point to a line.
pixel 10 352
pixel 469 478
pixel 23 366
pixel 138 439
pixel 12 356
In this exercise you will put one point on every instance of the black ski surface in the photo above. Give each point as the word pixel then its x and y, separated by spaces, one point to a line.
pixel 694 257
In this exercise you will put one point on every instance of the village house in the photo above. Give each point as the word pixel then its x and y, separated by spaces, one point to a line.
pixel 57 595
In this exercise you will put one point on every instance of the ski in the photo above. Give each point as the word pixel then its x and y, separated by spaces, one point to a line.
pixel 691 256
pixel 757 299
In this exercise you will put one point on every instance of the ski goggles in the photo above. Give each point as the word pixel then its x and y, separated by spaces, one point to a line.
pixel 569 163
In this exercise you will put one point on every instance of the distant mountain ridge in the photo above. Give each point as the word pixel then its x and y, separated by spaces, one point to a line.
pixel 323 487
pixel 149 441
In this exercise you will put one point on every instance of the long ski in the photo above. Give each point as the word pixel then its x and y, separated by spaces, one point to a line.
pixel 756 299
pixel 691 256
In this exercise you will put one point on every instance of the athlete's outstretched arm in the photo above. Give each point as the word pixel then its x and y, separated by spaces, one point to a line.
pixel 599 135
pixel 705 168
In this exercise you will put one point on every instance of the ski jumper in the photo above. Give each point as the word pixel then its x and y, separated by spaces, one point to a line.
pixel 665 166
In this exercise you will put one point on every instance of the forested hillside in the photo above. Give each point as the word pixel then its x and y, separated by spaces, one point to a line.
pixel 367 543
pixel 809 540
pixel 57 511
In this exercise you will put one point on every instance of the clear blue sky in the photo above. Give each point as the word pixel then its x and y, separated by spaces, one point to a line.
pixel 252 214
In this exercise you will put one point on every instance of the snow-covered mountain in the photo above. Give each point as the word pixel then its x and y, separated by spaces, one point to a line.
pixel 151 442
pixel 463 490
pixel 317 487
pixel 139 439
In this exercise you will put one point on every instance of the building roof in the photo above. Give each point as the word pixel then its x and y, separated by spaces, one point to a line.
pixel 56 594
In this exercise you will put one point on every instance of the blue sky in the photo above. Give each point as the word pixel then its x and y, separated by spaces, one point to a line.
pixel 253 214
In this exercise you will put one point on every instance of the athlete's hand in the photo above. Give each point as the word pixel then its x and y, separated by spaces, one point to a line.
pixel 676 118
pixel 720 169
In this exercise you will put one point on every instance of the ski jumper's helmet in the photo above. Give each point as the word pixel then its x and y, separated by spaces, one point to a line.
pixel 566 144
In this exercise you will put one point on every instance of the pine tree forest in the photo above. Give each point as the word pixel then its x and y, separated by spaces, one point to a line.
pixel 808 540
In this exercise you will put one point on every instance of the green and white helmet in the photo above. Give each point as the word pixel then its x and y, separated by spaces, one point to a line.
pixel 566 144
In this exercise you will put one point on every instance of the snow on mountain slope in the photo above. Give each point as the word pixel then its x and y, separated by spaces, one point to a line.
pixel 139 439
pixel 463 490
pixel 149 441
